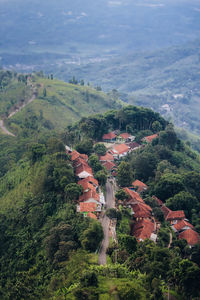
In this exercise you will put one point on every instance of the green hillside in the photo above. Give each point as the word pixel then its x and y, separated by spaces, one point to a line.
pixel 47 248
pixel 57 104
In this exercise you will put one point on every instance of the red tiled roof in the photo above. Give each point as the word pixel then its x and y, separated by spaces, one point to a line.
pixel 158 200
pixel 133 145
pixel 109 136
pixel 84 156
pixel 175 215
pixel 92 216
pixel 86 185
pixel 87 207
pixel 181 224
pixel 91 194
pixel 143 229
pixel 165 211
pixel 150 138
pixel 120 149
pixel 107 157
pixel 74 155
pixel 90 180
pixel 141 210
pixel 79 161
pixel 191 236
pixel 109 165
pixel 125 135
pixel 140 185
pixel 133 195
pixel 83 168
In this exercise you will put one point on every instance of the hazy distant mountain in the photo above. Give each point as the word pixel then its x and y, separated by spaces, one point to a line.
pixel 97 29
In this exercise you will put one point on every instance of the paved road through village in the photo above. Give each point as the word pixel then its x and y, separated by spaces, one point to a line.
pixel 105 222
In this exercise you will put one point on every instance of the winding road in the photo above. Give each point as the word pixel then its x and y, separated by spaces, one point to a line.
pixel 105 222
pixel 2 126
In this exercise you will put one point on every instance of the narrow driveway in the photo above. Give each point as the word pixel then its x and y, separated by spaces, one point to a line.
pixel 105 222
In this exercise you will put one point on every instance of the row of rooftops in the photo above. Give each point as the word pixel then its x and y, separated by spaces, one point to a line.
pixel 126 137
pixel 146 226
pixel 179 224
pixel 89 202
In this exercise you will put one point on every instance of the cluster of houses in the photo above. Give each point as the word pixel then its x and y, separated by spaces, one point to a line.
pixel 145 226
pixel 180 225
pixel 119 145
pixel 92 199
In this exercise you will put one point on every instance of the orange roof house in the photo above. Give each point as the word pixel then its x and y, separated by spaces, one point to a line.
pixel 150 138
pixel 165 211
pixel 140 186
pixel 109 165
pixel 191 236
pixel 75 154
pixel 175 215
pixel 141 211
pixel 182 225
pixel 83 171
pixel 109 137
pixel 119 150
pixel 133 196
pixel 125 135
pixel 79 161
pixel 90 195
pixel 144 229
pixel 87 207
pixel 86 185
pixel 106 157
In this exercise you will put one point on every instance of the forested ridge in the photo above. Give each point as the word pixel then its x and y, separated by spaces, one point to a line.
pixel 47 248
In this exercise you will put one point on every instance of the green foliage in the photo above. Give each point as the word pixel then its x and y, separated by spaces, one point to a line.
pixel 92 237
pixel 169 185
pixel 124 174
pixel 121 195
pixel 85 147
pixel 100 149
pixel 101 176
pixel 73 191
pixel 183 201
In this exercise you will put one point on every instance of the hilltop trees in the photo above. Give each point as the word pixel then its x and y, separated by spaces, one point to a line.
pixel 124 174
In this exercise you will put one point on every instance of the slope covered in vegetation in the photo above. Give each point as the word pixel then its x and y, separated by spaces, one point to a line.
pixel 46 246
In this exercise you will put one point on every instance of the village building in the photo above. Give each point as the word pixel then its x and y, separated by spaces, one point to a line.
pixel 109 137
pixel 150 138
pixel 134 197
pixel 134 146
pixel 125 138
pixel 119 151
pixel 182 225
pixel 139 186
pixel 83 171
pixel 191 236
pixel 174 216
pixel 145 229
pixel 107 157
pixel 110 166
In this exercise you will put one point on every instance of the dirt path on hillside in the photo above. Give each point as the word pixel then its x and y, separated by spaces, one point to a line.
pixel 2 125
pixel 4 129
pixel 106 223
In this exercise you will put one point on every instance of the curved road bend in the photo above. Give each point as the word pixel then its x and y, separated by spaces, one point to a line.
pixel 4 129
pixel 2 126
pixel 105 222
